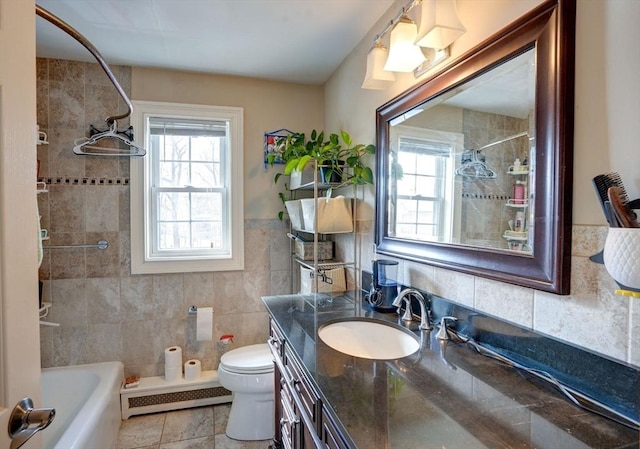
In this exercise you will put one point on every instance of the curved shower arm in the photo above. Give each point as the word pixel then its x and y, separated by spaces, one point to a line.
pixel 40 11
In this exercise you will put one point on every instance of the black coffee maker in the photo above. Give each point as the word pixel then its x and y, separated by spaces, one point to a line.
pixel 384 288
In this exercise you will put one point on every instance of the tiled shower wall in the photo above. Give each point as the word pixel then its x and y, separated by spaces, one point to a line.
pixel 104 312
pixel 484 216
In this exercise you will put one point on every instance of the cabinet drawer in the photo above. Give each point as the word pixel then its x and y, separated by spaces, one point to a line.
pixel 310 400
pixel 288 422
pixel 276 339
pixel 331 436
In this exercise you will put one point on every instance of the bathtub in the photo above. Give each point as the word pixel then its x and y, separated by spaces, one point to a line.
pixel 87 403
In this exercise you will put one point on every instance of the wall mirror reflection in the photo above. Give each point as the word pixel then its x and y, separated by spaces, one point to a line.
pixel 461 164
pixel 475 163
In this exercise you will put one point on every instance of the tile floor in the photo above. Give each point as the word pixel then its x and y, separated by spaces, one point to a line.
pixel 196 428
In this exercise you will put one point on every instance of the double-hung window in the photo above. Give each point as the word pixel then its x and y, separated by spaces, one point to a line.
pixel 423 183
pixel 186 193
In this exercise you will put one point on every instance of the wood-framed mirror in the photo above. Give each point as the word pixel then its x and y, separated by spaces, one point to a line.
pixel 475 164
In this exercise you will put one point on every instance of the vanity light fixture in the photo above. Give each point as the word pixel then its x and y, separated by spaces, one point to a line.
pixel 439 24
pixel 410 49
pixel 404 54
pixel 376 77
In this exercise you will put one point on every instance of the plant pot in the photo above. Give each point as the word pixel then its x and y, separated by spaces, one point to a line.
pixel 328 175
pixel 622 256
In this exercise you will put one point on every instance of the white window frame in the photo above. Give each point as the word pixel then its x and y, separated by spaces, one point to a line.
pixel 446 224
pixel 143 261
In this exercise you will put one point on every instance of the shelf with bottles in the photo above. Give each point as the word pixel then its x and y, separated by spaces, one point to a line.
pixel 517 204
pixel 518 168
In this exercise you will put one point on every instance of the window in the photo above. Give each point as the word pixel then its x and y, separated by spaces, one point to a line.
pixel 424 182
pixel 186 193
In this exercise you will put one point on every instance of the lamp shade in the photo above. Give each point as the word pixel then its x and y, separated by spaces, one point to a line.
pixel 376 77
pixel 439 24
pixel 404 55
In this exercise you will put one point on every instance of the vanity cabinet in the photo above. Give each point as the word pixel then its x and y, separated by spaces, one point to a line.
pixel 301 419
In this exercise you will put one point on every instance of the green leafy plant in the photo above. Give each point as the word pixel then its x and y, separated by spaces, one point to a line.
pixel 336 155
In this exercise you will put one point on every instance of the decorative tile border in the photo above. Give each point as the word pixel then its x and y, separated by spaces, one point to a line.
pixel 70 181
pixel 482 196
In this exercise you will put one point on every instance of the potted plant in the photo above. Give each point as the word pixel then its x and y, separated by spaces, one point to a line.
pixel 338 157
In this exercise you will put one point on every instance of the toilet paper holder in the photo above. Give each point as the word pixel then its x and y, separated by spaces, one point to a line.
pixel 192 310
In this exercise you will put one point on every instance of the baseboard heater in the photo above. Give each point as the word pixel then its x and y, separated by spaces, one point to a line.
pixel 155 394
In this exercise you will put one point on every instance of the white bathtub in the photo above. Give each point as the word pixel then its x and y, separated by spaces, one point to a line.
pixel 87 403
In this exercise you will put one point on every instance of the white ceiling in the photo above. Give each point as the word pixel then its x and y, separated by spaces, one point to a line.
pixel 289 40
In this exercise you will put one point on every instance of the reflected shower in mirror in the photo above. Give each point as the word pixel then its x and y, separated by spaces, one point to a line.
pixel 461 164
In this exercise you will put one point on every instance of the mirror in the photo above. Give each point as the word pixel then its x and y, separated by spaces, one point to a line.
pixel 475 163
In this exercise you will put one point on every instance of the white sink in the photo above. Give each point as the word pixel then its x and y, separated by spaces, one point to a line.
pixel 369 339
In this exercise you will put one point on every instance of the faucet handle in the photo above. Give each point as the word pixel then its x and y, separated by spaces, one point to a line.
pixel 442 332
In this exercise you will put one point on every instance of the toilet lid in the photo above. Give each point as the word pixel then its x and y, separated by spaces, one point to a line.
pixel 250 359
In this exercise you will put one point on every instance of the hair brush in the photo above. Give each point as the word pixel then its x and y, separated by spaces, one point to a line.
pixel 620 206
pixel 602 183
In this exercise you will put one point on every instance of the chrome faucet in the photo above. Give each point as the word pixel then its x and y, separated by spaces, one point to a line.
pixel 405 296
pixel 443 332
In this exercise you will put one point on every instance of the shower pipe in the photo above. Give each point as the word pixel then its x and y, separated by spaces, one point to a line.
pixel 40 11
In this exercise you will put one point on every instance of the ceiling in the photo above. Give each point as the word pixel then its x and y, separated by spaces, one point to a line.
pixel 301 41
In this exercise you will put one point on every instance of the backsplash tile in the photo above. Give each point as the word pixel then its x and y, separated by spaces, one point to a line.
pixel 510 302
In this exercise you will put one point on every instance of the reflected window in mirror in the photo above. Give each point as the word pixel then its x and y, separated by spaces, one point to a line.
pixel 421 188
pixel 460 161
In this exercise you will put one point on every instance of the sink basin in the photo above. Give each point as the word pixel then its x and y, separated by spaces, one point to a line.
pixel 368 339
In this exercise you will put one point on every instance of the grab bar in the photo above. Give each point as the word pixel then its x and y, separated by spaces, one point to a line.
pixel 102 244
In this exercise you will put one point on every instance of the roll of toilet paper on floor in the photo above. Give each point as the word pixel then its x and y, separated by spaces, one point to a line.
pixel 204 324
pixel 172 363
pixel 192 369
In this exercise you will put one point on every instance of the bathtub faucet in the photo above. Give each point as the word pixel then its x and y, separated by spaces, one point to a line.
pixel 25 421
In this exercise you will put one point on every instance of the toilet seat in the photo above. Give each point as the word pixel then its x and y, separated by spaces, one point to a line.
pixel 252 359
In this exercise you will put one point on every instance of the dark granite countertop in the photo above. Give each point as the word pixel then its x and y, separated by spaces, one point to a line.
pixel 444 396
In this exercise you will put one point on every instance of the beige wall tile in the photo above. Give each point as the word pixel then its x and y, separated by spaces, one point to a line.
pixel 69 298
pixel 136 296
pixel 67 209
pixel 199 289
pixel 138 343
pixel 168 296
pixel 570 318
pixel 509 302
pixel 103 342
pixel 103 300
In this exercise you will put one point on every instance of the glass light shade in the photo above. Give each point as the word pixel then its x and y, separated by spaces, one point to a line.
pixel 376 77
pixel 439 24
pixel 404 55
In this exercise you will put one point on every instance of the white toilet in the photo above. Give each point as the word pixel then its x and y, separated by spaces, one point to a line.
pixel 248 373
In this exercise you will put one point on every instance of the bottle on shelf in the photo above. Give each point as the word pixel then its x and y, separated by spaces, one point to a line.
pixel 519 225
pixel 519 192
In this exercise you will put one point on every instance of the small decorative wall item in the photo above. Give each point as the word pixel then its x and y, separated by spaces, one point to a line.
pixel 272 153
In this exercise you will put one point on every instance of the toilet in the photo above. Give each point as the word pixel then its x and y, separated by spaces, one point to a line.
pixel 248 373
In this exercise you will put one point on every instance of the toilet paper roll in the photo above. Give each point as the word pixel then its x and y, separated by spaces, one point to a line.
pixel 173 374
pixel 204 324
pixel 192 369
pixel 172 363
